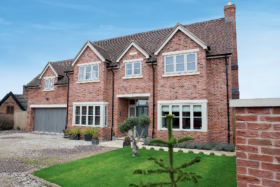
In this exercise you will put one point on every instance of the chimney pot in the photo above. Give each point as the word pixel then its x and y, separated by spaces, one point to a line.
pixel 229 3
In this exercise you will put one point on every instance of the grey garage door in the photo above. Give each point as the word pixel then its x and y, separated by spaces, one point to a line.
pixel 49 120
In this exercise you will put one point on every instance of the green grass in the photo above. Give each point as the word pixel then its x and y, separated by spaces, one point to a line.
pixel 114 169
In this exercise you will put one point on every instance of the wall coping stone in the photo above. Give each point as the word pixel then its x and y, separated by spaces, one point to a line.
pixel 261 102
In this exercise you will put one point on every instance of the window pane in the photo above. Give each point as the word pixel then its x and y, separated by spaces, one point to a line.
pixel 97 120
pixel 191 66
pixel 169 68
pixel 132 102
pixel 46 83
pixel 128 72
pixel 197 123
pixel 176 110
pixel 169 60
pixel 128 66
pixel 95 68
pixel 132 111
pixel 77 110
pixel 186 110
pixel 51 83
pixel 88 69
pixel 180 59
pixel 84 119
pixel 164 122
pixel 84 110
pixel 142 102
pixel 90 110
pixel 165 110
pixel 106 110
pixel 137 71
pixel 81 73
pixel 180 67
pixel 95 75
pixel 176 123
pixel 197 111
pixel 90 120
pixel 186 123
pixel 191 58
pixel 77 120
pixel 136 65
pixel 97 110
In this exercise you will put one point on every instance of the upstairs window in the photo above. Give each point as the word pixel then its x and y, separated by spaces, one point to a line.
pixel 49 81
pixel 89 72
pixel 133 69
pixel 10 110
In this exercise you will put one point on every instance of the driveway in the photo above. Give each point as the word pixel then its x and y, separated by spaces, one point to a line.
pixel 22 153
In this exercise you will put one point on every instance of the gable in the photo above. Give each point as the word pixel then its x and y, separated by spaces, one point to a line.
pixel 133 44
pixel 88 45
pixel 186 32
pixel 10 96
pixel 45 70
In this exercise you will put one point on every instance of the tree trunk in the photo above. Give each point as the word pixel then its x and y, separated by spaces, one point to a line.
pixel 134 148
pixel 170 150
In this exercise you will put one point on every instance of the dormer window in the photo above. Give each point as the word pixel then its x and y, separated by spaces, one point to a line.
pixel 49 82
pixel 133 69
pixel 180 63
pixel 89 72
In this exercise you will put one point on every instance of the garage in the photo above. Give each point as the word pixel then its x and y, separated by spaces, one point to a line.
pixel 52 120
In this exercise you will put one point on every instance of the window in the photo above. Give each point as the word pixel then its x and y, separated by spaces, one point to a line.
pixel 133 68
pixel 49 81
pixel 88 72
pixel 180 63
pixel 190 115
pixel 10 110
pixel 93 114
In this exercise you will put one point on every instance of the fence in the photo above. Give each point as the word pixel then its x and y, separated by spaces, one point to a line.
pixel 257 142
pixel 20 119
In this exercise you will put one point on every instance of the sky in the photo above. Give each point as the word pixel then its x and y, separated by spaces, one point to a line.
pixel 33 32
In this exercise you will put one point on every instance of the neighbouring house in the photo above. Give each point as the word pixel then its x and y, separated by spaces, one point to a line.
pixel 13 102
pixel 187 70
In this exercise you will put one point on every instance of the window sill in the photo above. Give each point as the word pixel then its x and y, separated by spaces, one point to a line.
pixel 79 82
pixel 189 130
pixel 48 90
pixel 180 74
pixel 89 125
pixel 133 77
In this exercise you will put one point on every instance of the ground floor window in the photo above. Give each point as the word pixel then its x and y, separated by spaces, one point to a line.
pixel 91 114
pixel 189 115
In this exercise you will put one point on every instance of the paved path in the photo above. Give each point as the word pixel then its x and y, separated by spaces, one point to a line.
pixel 22 153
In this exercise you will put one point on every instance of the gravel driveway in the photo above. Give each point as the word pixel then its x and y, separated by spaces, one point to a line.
pixel 22 153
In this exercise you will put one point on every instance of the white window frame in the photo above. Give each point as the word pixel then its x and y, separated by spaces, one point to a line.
pixel 49 88
pixel 85 65
pixel 186 71
pixel 133 62
pixel 204 116
pixel 103 106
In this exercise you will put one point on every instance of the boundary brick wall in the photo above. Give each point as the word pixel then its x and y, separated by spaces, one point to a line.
pixel 257 144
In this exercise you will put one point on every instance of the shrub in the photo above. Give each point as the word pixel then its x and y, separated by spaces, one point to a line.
pixel 201 152
pixel 233 155
pixel 113 134
pixel 152 148
pixel 146 141
pixel 6 123
pixel 180 151
pixel 90 131
pixel 95 136
pixel 143 147
pixel 128 146
pixel 197 146
pixel 188 146
pixel 229 147
pixel 127 139
pixel 206 146
pixel 190 151
pixel 18 128
pixel 161 149
pixel 76 131
pixel 219 147
pixel 224 155
pixel 212 153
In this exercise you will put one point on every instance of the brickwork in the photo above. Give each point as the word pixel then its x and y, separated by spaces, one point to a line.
pixel 3 108
pixel 258 146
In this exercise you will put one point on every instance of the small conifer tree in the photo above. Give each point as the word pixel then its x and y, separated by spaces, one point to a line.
pixel 181 175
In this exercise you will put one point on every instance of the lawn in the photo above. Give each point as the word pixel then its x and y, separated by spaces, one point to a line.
pixel 114 169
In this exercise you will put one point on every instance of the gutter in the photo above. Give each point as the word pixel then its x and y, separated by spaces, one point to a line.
pixel 227 99
pixel 66 73
pixel 112 103
pixel 153 100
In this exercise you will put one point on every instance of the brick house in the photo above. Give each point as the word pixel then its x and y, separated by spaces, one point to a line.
pixel 188 70
pixel 13 102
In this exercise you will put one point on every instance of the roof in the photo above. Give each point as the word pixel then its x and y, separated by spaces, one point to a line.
pixel 214 33
pixel 21 100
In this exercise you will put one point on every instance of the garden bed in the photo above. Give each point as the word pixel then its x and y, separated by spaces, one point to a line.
pixel 115 168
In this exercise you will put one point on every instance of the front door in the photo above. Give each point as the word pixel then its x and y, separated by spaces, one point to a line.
pixel 141 110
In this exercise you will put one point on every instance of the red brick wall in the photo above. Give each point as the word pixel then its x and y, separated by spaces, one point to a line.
pixel 37 96
pixel 3 108
pixel 258 146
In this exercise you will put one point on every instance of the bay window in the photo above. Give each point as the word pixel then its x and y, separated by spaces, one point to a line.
pixel 88 72
pixel 91 114
pixel 189 115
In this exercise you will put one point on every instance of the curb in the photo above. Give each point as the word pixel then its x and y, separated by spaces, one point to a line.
pixel 49 184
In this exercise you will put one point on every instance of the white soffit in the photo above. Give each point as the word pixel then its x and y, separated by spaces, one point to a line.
pixel 264 102
pixel 49 65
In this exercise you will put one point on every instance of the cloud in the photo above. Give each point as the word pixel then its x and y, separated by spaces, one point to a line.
pixel 4 22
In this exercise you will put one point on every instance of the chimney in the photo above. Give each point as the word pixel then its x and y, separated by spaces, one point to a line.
pixel 24 92
pixel 229 11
